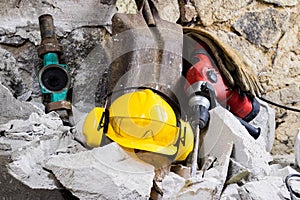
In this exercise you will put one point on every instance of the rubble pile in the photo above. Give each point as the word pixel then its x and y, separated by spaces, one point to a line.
pixel 45 154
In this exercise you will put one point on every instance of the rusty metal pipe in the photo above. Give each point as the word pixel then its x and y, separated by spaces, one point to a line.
pixel 46 26
pixel 49 41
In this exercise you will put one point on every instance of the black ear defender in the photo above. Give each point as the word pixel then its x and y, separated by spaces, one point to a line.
pixel 104 120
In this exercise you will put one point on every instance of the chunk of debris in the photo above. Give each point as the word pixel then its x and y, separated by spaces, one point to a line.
pixel 265 119
pixel 282 173
pixel 28 161
pixel 35 126
pixel 11 108
pixel 295 185
pixel 231 192
pixel 108 172
pixel 210 184
pixel 172 184
pixel 267 188
pixel 236 172
pixel 19 133
pixel 183 171
pixel 225 128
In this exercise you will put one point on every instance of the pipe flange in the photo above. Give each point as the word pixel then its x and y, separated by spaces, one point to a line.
pixel 49 47
pixel 58 105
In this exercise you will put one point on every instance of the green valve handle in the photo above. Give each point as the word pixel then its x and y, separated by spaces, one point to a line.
pixel 54 79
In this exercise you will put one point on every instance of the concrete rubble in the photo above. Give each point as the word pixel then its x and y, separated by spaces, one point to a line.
pixel 231 192
pixel 237 172
pixel 246 169
pixel 11 108
pixel 295 185
pixel 30 142
pixel 208 183
pixel 45 154
pixel 264 32
pixel 225 128
pixel 109 172
pixel 28 161
pixel 259 190
pixel 266 121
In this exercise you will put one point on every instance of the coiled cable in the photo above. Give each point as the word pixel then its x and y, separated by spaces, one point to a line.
pixel 290 189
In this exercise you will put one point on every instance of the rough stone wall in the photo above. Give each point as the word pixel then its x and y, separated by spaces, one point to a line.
pixel 266 32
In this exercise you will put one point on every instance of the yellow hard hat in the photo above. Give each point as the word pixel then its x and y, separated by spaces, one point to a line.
pixel 141 120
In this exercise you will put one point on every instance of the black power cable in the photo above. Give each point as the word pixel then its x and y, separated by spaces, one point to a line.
pixel 279 105
pixel 292 193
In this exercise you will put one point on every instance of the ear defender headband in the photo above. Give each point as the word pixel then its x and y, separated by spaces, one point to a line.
pixel 103 123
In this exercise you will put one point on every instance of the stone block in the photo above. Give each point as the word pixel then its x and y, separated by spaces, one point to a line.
pixel 11 108
pixel 28 161
pixel 225 11
pixel 236 172
pixel 168 10
pixel 199 188
pixel 171 185
pixel 108 172
pixel 231 192
pixel 265 120
pixel 268 188
pixel 224 128
pixel 262 28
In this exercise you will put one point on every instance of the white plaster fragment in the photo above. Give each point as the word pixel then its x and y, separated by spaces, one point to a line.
pixel 108 172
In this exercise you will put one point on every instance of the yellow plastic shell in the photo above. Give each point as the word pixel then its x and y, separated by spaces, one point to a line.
pixel 143 120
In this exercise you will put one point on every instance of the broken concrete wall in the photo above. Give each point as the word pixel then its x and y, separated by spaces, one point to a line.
pixel 20 18
pixel 80 28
